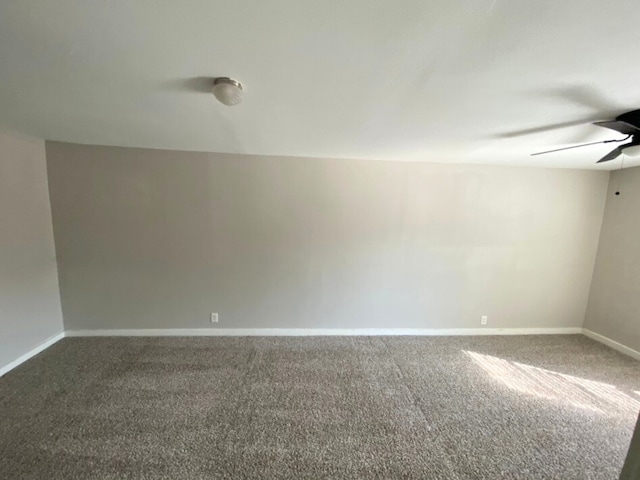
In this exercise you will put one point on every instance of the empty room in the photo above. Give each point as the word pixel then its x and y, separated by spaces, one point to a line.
pixel 319 240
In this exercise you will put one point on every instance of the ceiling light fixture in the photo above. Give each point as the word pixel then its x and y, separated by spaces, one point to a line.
pixel 227 91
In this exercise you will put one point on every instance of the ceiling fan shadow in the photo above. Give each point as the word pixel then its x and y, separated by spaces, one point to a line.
pixel 582 95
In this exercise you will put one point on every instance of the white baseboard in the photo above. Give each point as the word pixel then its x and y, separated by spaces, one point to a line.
pixel 285 332
pixel 23 358
pixel 289 332
pixel 611 343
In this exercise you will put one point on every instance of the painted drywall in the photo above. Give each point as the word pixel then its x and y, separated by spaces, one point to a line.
pixel 411 80
pixel 159 239
pixel 614 302
pixel 29 299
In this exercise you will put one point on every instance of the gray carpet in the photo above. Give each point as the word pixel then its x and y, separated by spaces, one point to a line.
pixel 535 407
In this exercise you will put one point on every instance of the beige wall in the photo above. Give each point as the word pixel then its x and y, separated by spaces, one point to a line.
pixel 159 239
pixel 29 300
pixel 614 303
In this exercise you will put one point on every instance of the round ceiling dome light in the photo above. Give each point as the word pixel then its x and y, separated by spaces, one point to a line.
pixel 227 91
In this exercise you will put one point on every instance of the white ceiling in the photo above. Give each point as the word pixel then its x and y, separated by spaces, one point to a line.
pixel 437 81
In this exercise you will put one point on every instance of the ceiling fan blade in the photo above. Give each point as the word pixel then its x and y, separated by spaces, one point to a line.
pixel 618 126
pixel 612 155
pixel 568 148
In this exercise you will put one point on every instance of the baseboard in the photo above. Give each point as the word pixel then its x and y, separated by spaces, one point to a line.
pixel 611 343
pixel 289 332
pixel 23 358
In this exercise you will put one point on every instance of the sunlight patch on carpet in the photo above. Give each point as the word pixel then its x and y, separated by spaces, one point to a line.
pixel 567 389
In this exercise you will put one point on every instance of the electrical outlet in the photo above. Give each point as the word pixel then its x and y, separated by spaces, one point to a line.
pixel 214 317
pixel 483 320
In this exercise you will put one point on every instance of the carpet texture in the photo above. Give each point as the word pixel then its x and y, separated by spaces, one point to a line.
pixel 534 407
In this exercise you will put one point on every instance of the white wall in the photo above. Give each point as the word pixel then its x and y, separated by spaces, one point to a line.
pixel 159 239
pixel 29 299
pixel 614 302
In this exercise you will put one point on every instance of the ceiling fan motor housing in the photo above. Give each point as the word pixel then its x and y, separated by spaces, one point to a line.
pixel 632 118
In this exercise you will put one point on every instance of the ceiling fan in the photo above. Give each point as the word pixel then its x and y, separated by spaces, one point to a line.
pixel 628 124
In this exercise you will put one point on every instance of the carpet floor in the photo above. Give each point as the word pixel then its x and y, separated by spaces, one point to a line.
pixel 529 407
